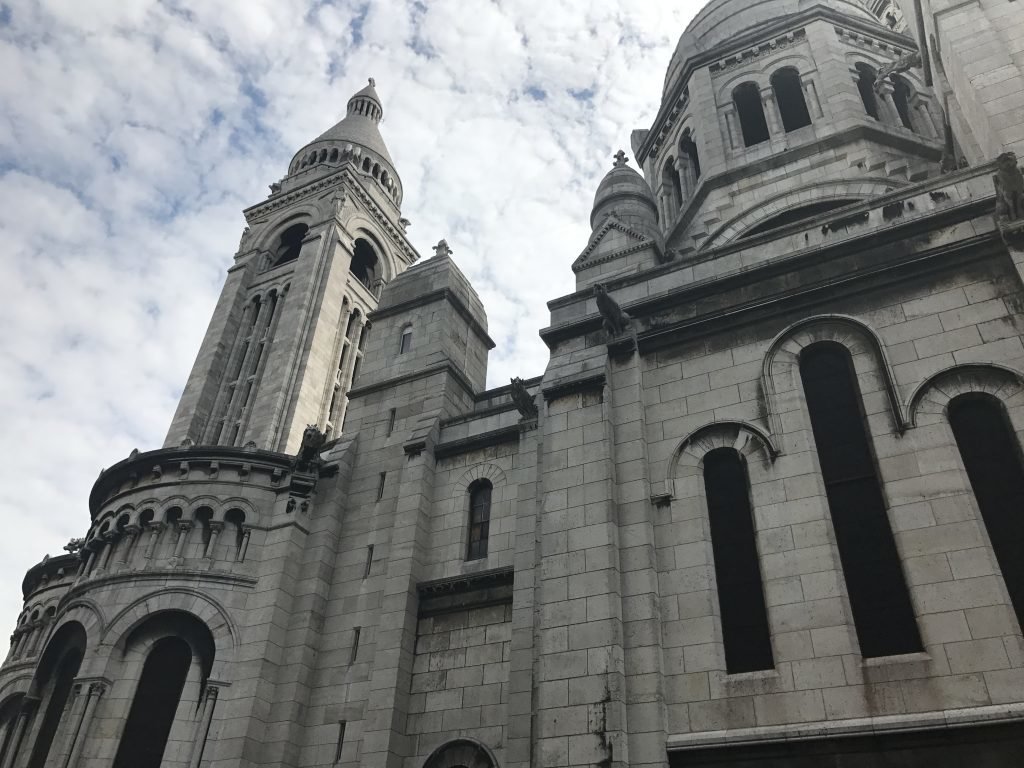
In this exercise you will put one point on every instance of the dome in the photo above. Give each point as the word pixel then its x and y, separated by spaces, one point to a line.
pixel 723 20
pixel 356 139
pixel 626 193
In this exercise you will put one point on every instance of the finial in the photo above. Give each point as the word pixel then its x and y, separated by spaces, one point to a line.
pixel 373 83
pixel 621 159
pixel 442 249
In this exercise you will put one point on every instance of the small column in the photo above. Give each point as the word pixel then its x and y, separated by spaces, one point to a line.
pixel 246 533
pixel 96 690
pixel 131 533
pixel 109 544
pixel 215 528
pixel 155 529
pixel 685 178
pixel 184 526
pixel 811 97
pixel 19 733
pixel 924 117
pixel 36 636
pixel 87 556
pixel 887 109
pixel 771 111
pixel 732 128
pixel 203 728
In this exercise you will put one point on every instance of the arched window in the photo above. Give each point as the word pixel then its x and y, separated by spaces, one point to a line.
pixel 789 95
pixel 405 344
pixel 290 244
pixel 747 98
pixel 479 519
pixel 901 98
pixel 992 459
pixel 689 148
pixel 156 700
pixel 866 85
pixel 879 599
pixel 741 600
pixel 671 185
pixel 365 264
pixel 236 519
pixel 56 673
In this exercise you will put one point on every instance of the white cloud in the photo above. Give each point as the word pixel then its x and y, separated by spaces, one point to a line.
pixel 132 135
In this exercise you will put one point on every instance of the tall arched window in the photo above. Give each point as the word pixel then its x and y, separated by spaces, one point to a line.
pixel 9 713
pixel 866 85
pixel 55 676
pixel 405 343
pixel 992 459
pixel 789 95
pixel 689 148
pixel 750 110
pixel 155 703
pixel 290 244
pixel 879 599
pixel 741 600
pixel 479 519
pixel 901 98
pixel 671 185
pixel 365 265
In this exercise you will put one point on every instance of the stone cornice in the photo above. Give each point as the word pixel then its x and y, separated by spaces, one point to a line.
pixel 163 575
pixel 475 442
pixel 421 373
pixel 466 592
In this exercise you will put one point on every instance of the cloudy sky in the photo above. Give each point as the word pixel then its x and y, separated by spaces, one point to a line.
pixel 133 132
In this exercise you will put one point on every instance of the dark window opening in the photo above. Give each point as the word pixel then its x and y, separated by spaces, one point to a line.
pixel 291 243
pixel 369 561
pixel 866 85
pixel 671 184
pixel 63 679
pixel 479 519
pixel 406 343
pixel 794 215
pixel 355 644
pixel 689 147
pixel 750 110
pixel 380 485
pixel 155 703
pixel 789 94
pixel 992 459
pixel 365 264
pixel 879 599
pixel 342 726
pixel 901 98
pixel 8 721
pixel 741 600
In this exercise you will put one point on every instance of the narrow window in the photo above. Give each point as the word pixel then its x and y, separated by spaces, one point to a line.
pixel 479 519
pixel 689 147
pixel 992 458
pixel 671 185
pixel 901 98
pixel 355 644
pixel 879 599
pixel 380 485
pixel 406 343
pixel 391 420
pixel 747 98
pixel 67 670
pixel 369 561
pixel 789 95
pixel 745 630
pixel 342 726
pixel 866 85
pixel 156 700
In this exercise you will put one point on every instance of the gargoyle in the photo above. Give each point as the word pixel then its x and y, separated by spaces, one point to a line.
pixel 904 63
pixel 1009 183
pixel 308 457
pixel 523 399
pixel 75 545
pixel 614 320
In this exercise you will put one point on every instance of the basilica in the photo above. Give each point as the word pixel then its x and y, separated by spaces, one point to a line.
pixel 761 509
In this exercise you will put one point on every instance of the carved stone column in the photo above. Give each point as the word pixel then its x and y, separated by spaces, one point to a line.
pixel 886 107
pixel 96 690
pixel 924 117
pixel 19 732
pixel 203 727
pixel 155 529
pixel 732 128
pixel 811 97
pixel 131 535
pixel 246 533
pixel 184 526
pixel 215 528
pixel 685 174
pixel 771 111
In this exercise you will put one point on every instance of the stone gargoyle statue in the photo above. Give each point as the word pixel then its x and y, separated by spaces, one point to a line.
pixel 308 457
pixel 614 320
pixel 1009 183
pixel 523 399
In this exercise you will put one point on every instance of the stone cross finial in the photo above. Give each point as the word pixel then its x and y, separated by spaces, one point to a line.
pixel 373 83
pixel 621 159
pixel 442 249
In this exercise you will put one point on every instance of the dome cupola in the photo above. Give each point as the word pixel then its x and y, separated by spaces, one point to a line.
pixel 355 140
pixel 627 194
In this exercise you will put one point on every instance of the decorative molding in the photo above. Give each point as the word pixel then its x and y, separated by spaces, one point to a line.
pixel 758 51
pixel 611 222
pixel 476 442
pixel 466 592
pixel 927 404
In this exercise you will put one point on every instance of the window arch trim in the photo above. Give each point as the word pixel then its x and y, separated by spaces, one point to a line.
pixel 689 454
pixel 782 360
pixel 928 403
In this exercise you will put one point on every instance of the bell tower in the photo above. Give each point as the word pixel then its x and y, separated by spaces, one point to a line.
pixel 287 336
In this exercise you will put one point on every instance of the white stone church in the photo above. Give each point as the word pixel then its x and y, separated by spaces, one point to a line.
pixel 764 508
